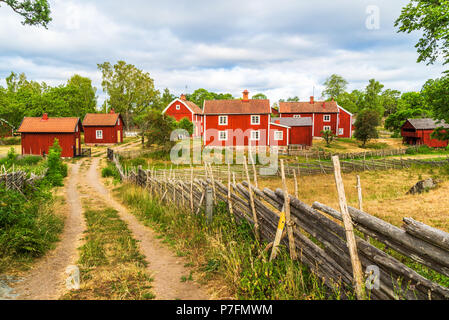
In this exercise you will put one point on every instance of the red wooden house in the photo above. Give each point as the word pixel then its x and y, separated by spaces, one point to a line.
pixel 299 131
pixel 325 115
pixel 242 122
pixel 181 108
pixel 39 134
pixel 6 129
pixel 103 128
pixel 418 131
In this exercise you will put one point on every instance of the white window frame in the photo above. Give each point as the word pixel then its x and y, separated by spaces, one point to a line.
pixel 276 135
pixel 327 128
pixel 341 131
pixel 253 117
pixel 328 117
pixel 118 121
pixel 178 107
pixel 252 136
pixel 225 123
pixel 220 138
pixel 99 134
pixel 296 116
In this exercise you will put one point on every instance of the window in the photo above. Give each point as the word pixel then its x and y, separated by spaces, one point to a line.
pixel 296 116
pixel 278 135
pixel 255 135
pixel 222 135
pixel 99 134
pixel 223 120
pixel 255 119
pixel 178 107
pixel 327 118
pixel 118 121
pixel 341 131
pixel 327 128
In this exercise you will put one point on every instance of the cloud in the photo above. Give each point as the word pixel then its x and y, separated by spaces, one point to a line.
pixel 281 48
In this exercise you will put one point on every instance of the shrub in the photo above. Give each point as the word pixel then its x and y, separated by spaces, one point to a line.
pixel 110 171
pixel 57 170
pixel 13 141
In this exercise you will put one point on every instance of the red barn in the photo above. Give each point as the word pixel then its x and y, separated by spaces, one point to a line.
pixel 181 108
pixel 418 131
pixel 242 122
pixel 39 134
pixel 325 115
pixel 103 128
pixel 300 132
pixel 6 129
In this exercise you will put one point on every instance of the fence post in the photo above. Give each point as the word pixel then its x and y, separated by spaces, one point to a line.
pixel 251 199
pixel 350 238
pixel 291 239
pixel 209 203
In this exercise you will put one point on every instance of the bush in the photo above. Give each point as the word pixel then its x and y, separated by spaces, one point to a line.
pixel 110 171
pixel 57 170
pixel 13 141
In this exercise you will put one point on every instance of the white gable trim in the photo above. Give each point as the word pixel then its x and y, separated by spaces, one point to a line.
pixel 178 100
pixel 280 125
pixel 344 110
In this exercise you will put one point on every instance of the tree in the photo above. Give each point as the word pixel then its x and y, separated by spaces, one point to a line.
pixel 159 130
pixel 34 12
pixel 372 99
pixel 259 96
pixel 200 95
pixel 436 97
pixel 431 17
pixel 166 98
pixel 335 86
pixel 84 94
pixel 390 101
pixel 366 126
pixel 131 91
pixel 351 101
pixel 328 136
pixel 185 124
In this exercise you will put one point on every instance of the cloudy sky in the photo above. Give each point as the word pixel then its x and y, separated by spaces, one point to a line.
pixel 278 47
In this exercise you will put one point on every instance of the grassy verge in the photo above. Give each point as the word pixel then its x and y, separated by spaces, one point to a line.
pixel 110 263
pixel 224 252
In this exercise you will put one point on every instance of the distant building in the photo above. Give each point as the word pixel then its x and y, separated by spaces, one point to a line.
pixel 418 131
pixel 6 129
pixel 299 131
pixel 39 134
pixel 103 128
pixel 181 108
pixel 325 115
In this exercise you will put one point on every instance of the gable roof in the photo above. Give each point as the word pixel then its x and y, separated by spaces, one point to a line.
pixel 307 107
pixel 51 125
pixel 294 122
pixel 251 106
pixel 189 105
pixel 101 119
pixel 427 123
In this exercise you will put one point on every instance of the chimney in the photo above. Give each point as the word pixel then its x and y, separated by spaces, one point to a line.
pixel 183 97
pixel 324 105
pixel 245 96
pixel 312 100
pixel 45 117
pixel 112 111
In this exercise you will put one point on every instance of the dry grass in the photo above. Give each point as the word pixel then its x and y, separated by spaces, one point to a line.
pixel 4 150
pixel 384 194
pixel 352 146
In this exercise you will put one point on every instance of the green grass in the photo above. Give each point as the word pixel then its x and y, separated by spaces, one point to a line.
pixel 226 251
pixel 110 263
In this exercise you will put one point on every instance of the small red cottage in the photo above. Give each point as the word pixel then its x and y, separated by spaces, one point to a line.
pixel 236 122
pixel 6 130
pixel 181 108
pixel 418 131
pixel 326 115
pixel 39 134
pixel 103 128
pixel 299 131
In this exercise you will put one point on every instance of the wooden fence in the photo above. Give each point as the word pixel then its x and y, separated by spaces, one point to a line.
pixel 19 179
pixel 316 234
pixel 322 155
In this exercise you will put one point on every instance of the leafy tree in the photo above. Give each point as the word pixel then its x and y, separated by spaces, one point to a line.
pixel 34 12
pixel 57 170
pixel 328 136
pixel 159 130
pixel 373 99
pixel 335 86
pixel 436 96
pixel 351 101
pixel 366 126
pixel 200 95
pixel 431 17
pixel 166 98
pixel 259 96
pixel 130 90
pixel 390 101
pixel 185 124
pixel 395 120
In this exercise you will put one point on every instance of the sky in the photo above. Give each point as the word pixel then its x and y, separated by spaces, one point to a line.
pixel 281 48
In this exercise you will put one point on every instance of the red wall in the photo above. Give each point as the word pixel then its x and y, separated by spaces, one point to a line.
pixel 38 143
pixel 286 135
pixel 184 112
pixel 318 121
pixel 109 134
pixel 239 121
pixel 345 123
pixel 301 135
pixel 427 140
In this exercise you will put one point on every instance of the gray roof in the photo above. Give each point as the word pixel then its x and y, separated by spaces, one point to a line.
pixel 427 123
pixel 293 122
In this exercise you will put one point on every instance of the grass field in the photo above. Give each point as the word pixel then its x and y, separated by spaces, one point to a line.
pixel 346 145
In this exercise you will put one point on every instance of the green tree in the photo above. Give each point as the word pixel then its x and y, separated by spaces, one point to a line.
pixel 166 98
pixel 431 18
pixel 366 126
pixel 328 136
pixel 159 130
pixel 351 101
pixel 373 99
pixel 436 96
pixel 57 170
pixel 185 124
pixel 390 101
pixel 259 96
pixel 130 90
pixel 335 85
pixel 200 95
pixel 34 12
